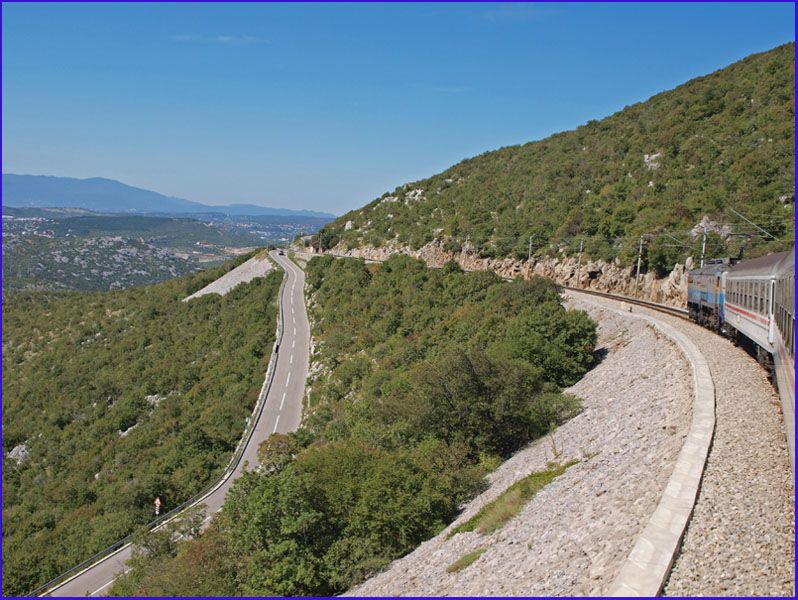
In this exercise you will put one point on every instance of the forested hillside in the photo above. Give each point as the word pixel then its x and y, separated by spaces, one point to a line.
pixel 75 249
pixel 87 263
pixel 111 399
pixel 720 142
pixel 425 380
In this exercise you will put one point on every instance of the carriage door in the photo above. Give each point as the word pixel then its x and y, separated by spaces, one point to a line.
pixel 722 302
pixel 771 320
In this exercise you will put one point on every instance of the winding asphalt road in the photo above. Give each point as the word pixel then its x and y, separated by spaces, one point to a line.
pixel 281 413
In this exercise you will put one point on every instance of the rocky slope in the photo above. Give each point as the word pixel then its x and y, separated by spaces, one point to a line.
pixel 716 147
pixel 595 275
pixel 87 263
pixel 573 536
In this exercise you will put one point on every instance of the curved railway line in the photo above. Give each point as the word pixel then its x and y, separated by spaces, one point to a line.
pixel 675 311
pixel 739 539
pixel 741 510
pixel 652 560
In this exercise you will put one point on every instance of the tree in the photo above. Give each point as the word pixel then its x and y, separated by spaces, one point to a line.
pixel 276 452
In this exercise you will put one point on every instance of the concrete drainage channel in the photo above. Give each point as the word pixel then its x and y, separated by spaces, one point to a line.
pixel 646 569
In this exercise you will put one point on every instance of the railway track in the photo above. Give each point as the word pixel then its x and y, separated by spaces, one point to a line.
pixel 675 311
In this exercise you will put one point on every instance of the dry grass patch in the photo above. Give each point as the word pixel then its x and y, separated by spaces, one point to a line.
pixel 496 514
pixel 465 560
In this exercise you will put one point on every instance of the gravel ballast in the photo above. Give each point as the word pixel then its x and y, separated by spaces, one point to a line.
pixel 740 540
pixel 573 536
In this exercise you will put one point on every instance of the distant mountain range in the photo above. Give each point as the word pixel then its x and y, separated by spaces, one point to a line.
pixel 107 195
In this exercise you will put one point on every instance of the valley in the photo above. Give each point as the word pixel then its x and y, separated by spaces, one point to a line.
pixel 559 367
pixel 77 249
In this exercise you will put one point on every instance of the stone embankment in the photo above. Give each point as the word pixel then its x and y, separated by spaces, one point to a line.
pixel 243 273
pixel 573 537
pixel 594 275
pixel 741 538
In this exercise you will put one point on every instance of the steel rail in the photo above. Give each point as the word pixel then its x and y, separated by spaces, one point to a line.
pixel 676 311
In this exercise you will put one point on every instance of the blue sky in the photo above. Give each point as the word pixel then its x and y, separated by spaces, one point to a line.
pixel 327 106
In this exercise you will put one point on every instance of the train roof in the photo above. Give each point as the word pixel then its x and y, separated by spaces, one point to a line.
pixel 764 265
pixel 786 265
pixel 712 267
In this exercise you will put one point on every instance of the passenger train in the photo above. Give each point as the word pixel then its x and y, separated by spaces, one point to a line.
pixel 752 303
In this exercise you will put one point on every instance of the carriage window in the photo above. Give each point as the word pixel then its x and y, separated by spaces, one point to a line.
pixel 765 296
pixel 758 300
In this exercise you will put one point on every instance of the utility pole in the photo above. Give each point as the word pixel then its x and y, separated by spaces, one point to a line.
pixel 579 265
pixel 529 256
pixel 703 246
pixel 639 257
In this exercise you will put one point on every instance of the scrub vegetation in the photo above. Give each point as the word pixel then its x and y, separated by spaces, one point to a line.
pixel 116 398
pixel 719 142
pixel 425 379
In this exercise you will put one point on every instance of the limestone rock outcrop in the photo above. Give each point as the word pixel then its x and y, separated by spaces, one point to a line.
pixel 594 275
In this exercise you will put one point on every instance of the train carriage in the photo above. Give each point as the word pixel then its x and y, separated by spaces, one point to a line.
pixel 753 303
pixel 784 340
pixel 705 293
pixel 749 299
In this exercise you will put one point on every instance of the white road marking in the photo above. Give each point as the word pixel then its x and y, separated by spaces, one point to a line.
pixel 291 361
pixel 99 589
pixel 276 423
